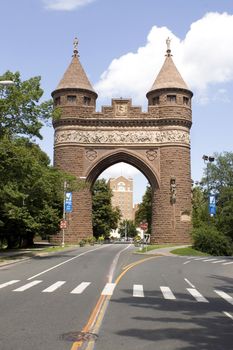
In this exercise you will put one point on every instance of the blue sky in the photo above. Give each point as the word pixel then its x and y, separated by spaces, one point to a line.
pixel 126 39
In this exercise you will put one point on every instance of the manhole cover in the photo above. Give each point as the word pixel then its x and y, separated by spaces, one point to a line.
pixel 78 336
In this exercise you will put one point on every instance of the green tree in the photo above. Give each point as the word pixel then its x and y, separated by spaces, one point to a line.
pixel 20 110
pixel 200 207
pixel 224 217
pixel 127 227
pixel 31 192
pixel 144 212
pixel 220 180
pixel 105 217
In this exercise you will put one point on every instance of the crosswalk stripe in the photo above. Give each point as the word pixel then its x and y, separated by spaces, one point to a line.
pixel 224 295
pixel 228 263
pixel 209 260
pixel 197 259
pixel 197 295
pixel 108 289
pixel 218 261
pixel 26 286
pixel 8 283
pixel 80 288
pixel 167 293
pixel 228 314
pixel 53 287
pixel 138 290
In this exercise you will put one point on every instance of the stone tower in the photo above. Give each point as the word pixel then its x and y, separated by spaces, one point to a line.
pixel 156 142
pixel 171 97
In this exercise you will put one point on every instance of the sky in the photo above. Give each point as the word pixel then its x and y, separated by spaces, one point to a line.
pixel 122 47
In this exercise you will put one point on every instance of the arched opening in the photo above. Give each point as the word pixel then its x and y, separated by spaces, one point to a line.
pixel 126 157
pixel 129 179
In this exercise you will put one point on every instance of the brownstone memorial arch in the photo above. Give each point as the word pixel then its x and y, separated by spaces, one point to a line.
pixel 157 142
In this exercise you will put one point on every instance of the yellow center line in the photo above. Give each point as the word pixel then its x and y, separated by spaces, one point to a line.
pixel 99 310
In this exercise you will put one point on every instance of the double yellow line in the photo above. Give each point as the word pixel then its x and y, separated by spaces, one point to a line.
pixel 97 315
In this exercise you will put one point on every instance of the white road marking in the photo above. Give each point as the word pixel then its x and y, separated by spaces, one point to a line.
pixel 114 263
pixel 138 290
pixel 108 289
pixel 191 285
pixel 8 283
pixel 53 287
pixel 225 296
pixel 167 293
pixel 186 262
pixel 200 258
pixel 227 314
pixel 209 260
pixel 228 263
pixel 26 286
pixel 218 261
pixel 197 295
pixel 64 262
pixel 80 288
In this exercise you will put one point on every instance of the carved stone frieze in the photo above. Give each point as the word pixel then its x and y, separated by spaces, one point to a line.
pixel 118 137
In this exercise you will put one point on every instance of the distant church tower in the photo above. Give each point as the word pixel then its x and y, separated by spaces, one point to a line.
pixel 157 142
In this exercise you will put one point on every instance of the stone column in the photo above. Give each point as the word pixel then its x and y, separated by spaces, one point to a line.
pixel 171 203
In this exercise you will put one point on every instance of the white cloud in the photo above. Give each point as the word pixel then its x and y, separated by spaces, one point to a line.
pixel 204 58
pixel 65 5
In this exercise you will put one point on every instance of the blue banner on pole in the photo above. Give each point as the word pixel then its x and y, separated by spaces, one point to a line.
pixel 68 202
pixel 212 205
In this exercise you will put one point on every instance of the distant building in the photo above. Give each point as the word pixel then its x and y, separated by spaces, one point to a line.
pixel 122 189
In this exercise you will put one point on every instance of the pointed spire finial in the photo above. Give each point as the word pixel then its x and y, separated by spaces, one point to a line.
pixel 168 42
pixel 75 44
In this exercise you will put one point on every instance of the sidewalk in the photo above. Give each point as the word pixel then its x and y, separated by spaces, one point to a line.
pixel 16 255
pixel 166 251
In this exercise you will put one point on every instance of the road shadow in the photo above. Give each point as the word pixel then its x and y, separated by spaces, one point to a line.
pixel 179 324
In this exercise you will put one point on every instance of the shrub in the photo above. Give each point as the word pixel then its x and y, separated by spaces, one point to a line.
pixel 209 240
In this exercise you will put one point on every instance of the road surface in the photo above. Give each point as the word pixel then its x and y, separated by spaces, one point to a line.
pixel 108 298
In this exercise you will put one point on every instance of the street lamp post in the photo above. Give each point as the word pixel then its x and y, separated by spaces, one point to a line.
pixel 125 230
pixel 64 213
pixel 207 161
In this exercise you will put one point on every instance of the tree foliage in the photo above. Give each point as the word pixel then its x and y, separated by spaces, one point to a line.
pixel 105 217
pixel 218 179
pixel 200 207
pixel 30 191
pixel 144 212
pixel 20 110
pixel 127 228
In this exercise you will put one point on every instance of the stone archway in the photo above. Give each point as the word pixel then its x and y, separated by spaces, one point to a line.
pixel 122 155
pixel 157 142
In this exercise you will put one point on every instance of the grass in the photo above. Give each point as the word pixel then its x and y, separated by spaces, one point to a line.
pixel 188 251
pixel 55 249
pixel 155 246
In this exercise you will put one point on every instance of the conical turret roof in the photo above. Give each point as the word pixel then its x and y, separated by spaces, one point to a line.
pixel 75 76
pixel 169 76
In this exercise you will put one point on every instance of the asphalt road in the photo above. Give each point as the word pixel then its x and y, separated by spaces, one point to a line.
pixel 106 297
